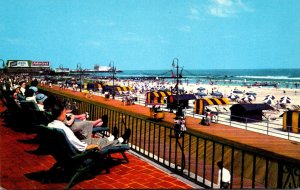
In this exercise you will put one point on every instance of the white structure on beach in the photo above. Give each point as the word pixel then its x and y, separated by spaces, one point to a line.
pixel 97 67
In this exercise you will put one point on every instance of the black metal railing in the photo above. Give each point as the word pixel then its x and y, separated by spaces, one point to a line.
pixel 264 126
pixel 194 156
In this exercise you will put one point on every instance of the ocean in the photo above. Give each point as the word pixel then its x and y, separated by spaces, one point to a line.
pixel 287 78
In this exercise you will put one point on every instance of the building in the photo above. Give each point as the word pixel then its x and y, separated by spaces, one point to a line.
pixel 27 66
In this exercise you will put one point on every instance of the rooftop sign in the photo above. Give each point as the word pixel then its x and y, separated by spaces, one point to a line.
pixel 27 63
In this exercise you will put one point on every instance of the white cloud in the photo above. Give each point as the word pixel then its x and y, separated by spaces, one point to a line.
pixel 227 8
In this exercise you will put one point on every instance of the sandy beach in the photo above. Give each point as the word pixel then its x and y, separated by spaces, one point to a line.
pixel 261 92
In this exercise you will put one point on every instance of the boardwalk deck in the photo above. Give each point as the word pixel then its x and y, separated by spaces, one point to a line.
pixel 202 153
pixel 272 145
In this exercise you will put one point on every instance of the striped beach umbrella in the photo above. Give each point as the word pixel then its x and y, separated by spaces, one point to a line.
pixel 269 101
pixel 246 99
pixel 285 100
pixel 251 97
pixel 270 97
pixel 251 93
pixel 201 94
pixel 217 94
pixel 236 91
pixel 233 96
pixel 285 97
pixel 201 88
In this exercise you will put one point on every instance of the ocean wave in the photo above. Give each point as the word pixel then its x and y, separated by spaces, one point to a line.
pixel 270 77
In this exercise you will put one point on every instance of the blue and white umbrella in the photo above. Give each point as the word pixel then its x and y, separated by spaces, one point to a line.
pixel 251 93
pixel 216 93
pixel 251 97
pixel 270 97
pixel 285 97
pixel 285 100
pixel 233 96
pixel 200 94
pixel 201 88
pixel 247 99
pixel 269 101
pixel 236 91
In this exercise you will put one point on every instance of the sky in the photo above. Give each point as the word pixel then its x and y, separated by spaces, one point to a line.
pixel 150 34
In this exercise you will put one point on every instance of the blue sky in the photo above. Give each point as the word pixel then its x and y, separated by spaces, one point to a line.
pixel 149 34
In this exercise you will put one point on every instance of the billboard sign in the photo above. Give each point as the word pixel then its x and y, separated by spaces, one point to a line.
pixel 18 63
pixel 40 64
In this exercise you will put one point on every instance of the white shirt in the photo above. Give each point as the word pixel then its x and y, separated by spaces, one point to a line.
pixel 225 176
pixel 32 98
pixel 41 107
pixel 81 146
pixel 22 90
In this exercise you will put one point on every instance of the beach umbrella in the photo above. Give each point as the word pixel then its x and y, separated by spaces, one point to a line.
pixel 201 94
pixel 251 93
pixel 216 93
pixel 285 97
pixel 285 100
pixel 233 96
pixel 236 91
pixel 201 88
pixel 246 99
pixel 269 101
pixel 270 97
pixel 251 97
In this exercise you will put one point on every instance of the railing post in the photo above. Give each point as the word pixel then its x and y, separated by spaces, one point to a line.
pixel 268 127
pixel 279 175
pixel 246 122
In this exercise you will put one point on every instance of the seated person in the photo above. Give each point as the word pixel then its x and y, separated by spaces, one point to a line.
pixel 205 120
pixel 102 124
pixel 81 117
pixel 208 118
pixel 40 98
pixel 29 95
pixel 58 118
pixel 82 128
pixel 21 94
pixel 15 93
pixel 35 89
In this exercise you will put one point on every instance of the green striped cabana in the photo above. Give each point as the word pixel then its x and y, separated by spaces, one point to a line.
pixel 291 119
pixel 158 97
pixel 200 104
